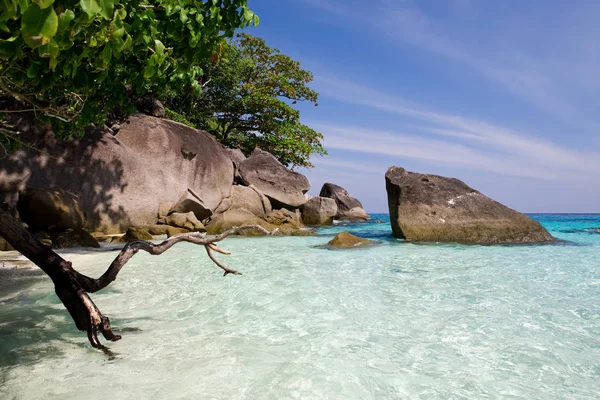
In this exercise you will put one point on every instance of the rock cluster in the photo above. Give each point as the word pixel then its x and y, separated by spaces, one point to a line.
pixel 348 208
pixel 159 177
pixel 439 209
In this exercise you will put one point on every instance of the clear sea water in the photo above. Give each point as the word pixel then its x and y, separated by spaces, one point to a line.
pixel 393 321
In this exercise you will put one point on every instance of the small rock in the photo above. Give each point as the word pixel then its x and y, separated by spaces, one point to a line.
pixel 187 221
pixel 172 231
pixel 347 240
pixel 137 234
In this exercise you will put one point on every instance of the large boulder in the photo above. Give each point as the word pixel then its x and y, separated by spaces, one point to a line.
pixel 236 157
pixel 121 180
pixel 348 208
pixel 283 187
pixel 435 208
pixel 45 209
pixel 319 211
pixel 251 199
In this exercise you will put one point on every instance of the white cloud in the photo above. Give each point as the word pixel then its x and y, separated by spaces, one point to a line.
pixel 532 151
pixel 551 61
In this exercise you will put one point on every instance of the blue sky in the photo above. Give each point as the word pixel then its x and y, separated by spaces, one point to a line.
pixel 504 95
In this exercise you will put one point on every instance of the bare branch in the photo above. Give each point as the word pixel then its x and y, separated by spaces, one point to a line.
pixel 92 285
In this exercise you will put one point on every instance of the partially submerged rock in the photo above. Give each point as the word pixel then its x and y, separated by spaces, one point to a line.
pixel 283 187
pixel 348 208
pixel 348 240
pixel 435 208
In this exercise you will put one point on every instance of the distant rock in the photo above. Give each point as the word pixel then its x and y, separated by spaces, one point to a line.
pixel 319 211
pixel 347 240
pixel 283 187
pixel 435 208
pixel 348 208
pixel 46 209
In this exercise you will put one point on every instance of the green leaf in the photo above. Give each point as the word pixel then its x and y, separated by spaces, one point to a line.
pixel 255 20
pixel 149 71
pixel 38 26
pixel 65 18
pixel 90 7
pixel 106 8
pixel 248 15
pixel 50 49
pixel 106 53
pixel 44 3
pixel 159 47
pixel 8 49
pixel 32 71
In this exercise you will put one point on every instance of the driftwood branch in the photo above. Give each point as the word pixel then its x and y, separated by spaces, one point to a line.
pixel 72 287
pixel 93 285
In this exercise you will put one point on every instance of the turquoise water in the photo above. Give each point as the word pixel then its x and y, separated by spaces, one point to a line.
pixel 397 320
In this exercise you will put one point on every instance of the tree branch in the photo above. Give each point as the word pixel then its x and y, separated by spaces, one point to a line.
pixel 92 285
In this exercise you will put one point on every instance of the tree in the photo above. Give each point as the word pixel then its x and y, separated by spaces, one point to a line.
pixel 72 287
pixel 73 62
pixel 70 63
pixel 247 101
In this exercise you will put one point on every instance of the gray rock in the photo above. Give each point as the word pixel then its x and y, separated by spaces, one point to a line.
pixel 46 209
pixel 150 105
pixel 121 180
pixel 348 208
pixel 187 221
pixel 283 187
pixel 191 202
pixel 319 211
pixel 435 208
pixel 73 238
pixel 250 199
pixel 236 157
pixel 164 208
pixel 234 218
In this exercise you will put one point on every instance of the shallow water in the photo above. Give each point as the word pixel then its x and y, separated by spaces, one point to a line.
pixel 397 320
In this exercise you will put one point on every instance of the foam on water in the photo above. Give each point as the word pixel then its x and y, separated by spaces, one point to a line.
pixel 397 320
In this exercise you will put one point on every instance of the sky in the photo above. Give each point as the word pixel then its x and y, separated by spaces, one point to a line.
pixel 504 95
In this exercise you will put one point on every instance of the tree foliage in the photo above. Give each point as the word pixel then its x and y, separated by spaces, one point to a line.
pixel 248 100
pixel 72 62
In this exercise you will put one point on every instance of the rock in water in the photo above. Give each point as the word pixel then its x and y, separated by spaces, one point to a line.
pixel 347 240
pixel 348 208
pixel 283 187
pixel 435 208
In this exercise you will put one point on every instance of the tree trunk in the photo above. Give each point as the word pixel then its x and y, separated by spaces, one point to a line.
pixel 84 312
pixel 72 287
